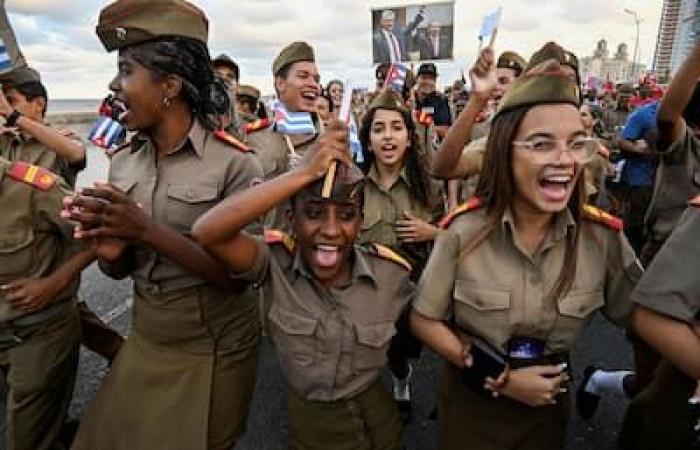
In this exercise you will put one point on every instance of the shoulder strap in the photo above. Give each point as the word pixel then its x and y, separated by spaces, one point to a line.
pixel 390 255
pixel 594 214
pixel 472 204
pixel 257 125
pixel 280 237
pixel 231 140
pixel 34 176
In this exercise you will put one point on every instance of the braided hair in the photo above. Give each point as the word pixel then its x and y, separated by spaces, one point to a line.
pixel 188 59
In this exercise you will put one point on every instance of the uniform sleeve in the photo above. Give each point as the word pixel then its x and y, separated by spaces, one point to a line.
pixel 671 284
pixel 623 272
pixel 244 173
pixel 436 285
pixel 261 267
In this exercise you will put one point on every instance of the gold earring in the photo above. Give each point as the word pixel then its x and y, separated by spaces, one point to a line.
pixel 167 102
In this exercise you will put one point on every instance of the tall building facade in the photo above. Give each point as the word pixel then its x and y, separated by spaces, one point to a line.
pixel 678 30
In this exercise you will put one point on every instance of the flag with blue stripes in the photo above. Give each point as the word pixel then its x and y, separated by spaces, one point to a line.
pixel 107 133
pixel 291 122
pixel 396 78
pixel 354 141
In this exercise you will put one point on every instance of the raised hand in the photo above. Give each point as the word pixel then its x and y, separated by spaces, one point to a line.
pixel 483 74
pixel 332 146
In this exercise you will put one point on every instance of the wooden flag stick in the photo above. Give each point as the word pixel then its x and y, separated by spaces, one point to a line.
pixel 343 116
pixel 493 37
pixel 481 45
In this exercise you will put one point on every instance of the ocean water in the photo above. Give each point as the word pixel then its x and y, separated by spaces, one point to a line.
pixel 77 105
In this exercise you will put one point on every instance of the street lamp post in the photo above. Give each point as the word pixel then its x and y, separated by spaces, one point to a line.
pixel 637 21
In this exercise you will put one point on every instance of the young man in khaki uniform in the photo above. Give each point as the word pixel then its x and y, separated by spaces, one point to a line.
pixel 668 318
pixel 40 264
pixel 297 87
pixel 60 151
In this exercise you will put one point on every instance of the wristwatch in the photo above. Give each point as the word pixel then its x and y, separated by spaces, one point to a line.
pixel 11 119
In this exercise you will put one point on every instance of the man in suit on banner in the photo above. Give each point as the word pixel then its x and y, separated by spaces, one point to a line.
pixel 434 44
pixel 389 43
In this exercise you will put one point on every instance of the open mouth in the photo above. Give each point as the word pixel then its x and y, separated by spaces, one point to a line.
pixel 556 187
pixel 121 110
pixel 310 96
pixel 326 256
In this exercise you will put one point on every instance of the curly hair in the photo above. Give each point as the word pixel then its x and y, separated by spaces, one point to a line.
pixel 188 59
pixel 415 159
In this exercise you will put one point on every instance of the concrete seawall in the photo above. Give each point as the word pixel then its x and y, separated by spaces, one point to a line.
pixel 67 118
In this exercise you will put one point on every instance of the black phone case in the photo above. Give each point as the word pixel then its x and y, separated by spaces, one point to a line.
pixel 487 362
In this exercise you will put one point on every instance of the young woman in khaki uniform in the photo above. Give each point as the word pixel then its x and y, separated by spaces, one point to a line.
pixel 522 269
pixel 184 378
pixel 330 305
pixel 401 205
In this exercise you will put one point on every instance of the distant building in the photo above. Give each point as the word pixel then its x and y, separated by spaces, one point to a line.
pixel 678 29
pixel 616 69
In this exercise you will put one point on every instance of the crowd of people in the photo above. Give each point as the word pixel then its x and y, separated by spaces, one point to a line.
pixel 489 224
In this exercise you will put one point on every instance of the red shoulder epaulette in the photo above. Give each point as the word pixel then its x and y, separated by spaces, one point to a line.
pixel 231 140
pixel 598 215
pixel 695 201
pixel 390 255
pixel 280 237
pixel 259 124
pixel 35 176
pixel 472 204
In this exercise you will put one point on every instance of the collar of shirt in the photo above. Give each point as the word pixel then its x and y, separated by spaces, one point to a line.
pixel 373 176
pixel 196 138
pixel 360 268
pixel 564 224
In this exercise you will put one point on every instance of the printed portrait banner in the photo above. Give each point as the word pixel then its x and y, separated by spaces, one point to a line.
pixel 413 33
pixel 10 55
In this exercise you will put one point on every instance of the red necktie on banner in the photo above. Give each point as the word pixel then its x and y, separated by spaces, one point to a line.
pixel 395 49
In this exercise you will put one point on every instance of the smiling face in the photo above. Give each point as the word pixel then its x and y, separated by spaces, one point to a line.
pixel 138 91
pixel 326 231
pixel 544 184
pixel 299 88
pixel 389 137
pixel 335 90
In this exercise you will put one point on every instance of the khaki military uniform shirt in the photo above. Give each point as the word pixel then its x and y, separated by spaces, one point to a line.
pixel 474 152
pixel 19 147
pixel 176 190
pixel 34 239
pixel 500 290
pixel 677 181
pixel 331 344
pixel 274 151
pixel 671 285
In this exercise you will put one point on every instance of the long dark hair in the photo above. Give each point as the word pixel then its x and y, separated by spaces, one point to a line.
pixel 189 59
pixel 415 159
pixel 496 189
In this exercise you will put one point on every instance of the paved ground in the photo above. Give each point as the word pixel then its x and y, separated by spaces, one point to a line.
pixel 602 344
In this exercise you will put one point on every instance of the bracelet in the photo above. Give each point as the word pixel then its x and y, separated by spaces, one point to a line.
pixel 11 119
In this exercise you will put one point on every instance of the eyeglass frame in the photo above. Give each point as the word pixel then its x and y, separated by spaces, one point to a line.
pixel 529 145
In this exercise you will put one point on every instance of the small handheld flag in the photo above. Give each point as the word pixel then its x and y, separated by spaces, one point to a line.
pixel 291 122
pixel 343 116
pixel 10 54
pixel 490 25
pixel 107 132
pixel 396 78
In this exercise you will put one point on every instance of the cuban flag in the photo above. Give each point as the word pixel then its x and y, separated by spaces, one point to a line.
pixel 396 78
pixel 490 23
pixel 107 133
pixel 291 122
pixel 5 59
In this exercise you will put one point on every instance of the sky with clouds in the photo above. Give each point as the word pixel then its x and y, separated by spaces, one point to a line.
pixel 58 37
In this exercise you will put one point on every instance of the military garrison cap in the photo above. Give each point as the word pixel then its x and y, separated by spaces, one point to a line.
pixel 549 86
pixel 247 90
pixel 129 22
pixel 389 99
pixel 552 50
pixel 294 52
pixel 513 61
pixel 20 76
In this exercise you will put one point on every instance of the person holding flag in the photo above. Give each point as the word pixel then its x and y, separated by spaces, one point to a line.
pixel 295 125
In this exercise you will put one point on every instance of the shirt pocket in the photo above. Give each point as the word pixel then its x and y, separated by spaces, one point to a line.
pixel 484 311
pixel 186 202
pixel 575 310
pixel 294 334
pixel 372 344
pixel 16 252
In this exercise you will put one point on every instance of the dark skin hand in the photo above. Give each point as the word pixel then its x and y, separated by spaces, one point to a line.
pixel 34 294
pixel 106 213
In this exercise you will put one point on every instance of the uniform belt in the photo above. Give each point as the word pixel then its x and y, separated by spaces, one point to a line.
pixel 38 317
